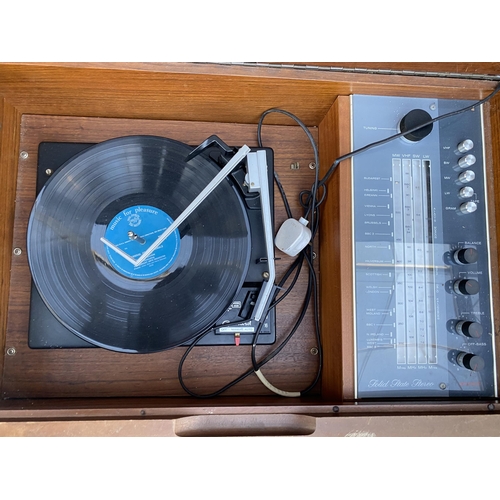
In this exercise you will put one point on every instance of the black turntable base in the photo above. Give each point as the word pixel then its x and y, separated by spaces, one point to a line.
pixel 47 331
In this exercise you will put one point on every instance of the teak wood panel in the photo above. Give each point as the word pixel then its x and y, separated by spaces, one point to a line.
pixel 186 92
pixel 175 407
pixel 9 139
pixel 336 295
pixel 464 68
pixel 491 180
pixel 474 68
pixel 98 372
pixel 266 425
pixel 492 143
pixel 204 92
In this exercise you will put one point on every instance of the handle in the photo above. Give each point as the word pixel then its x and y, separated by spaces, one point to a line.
pixel 245 425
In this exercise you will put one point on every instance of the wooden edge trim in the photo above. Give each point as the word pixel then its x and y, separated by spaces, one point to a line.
pixel 9 153
pixel 336 256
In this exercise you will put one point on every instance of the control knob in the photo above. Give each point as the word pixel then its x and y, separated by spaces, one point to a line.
pixel 466 287
pixel 467 176
pixel 413 119
pixel 465 146
pixel 468 207
pixel 466 192
pixel 469 329
pixel 466 161
pixel 465 256
pixel 470 361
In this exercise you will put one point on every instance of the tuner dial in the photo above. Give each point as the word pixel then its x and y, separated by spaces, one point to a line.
pixel 413 119
pixel 468 208
pixel 466 287
pixel 467 176
pixel 465 256
pixel 469 329
pixel 466 161
pixel 470 361
pixel 466 192
pixel 465 146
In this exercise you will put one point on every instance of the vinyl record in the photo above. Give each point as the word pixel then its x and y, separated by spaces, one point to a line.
pixel 123 194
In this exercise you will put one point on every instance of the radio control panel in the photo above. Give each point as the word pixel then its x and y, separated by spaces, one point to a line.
pixel 423 309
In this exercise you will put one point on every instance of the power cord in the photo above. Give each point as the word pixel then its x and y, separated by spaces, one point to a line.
pixel 334 165
pixel 310 203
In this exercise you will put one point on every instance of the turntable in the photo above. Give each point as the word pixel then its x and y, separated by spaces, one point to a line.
pixel 140 243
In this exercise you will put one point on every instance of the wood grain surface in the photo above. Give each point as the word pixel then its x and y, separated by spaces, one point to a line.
pixel 336 290
pixel 96 101
pixel 9 138
pixel 454 68
pixel 204 92
pixel 473 68
pixel 492 138
pixel 479 426
pixel 97 372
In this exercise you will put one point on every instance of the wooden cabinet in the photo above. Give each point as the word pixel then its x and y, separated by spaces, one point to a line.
pixel 188 102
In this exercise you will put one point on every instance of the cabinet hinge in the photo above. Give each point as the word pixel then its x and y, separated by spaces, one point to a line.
pixel 340 69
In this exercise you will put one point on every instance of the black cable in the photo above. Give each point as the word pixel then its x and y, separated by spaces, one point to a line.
pixel 185 355
pixel 332 168
pixel 311 291
pixel 283 195
pixel 310 206
pixel 310 212
pixel 311 195
pixel 317 327
pixel 297 263
pixel 309 136
pixel 308 200
pixel 257 365
pixel 306 204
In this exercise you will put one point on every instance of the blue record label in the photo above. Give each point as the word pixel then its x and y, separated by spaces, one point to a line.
pixel 133 231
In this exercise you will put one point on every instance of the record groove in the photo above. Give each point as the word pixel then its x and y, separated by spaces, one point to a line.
pixel 137 184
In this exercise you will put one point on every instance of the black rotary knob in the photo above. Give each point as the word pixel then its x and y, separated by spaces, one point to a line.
pixel 465 256
pixel 470 361
pixel 466 287
pixel 469 329
pixel 413 119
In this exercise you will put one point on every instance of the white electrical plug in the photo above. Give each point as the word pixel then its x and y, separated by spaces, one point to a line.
pixel 293 236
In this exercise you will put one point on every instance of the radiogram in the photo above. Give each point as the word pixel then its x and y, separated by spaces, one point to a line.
pixel 406 254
